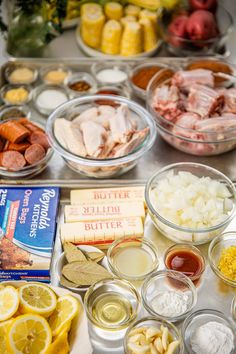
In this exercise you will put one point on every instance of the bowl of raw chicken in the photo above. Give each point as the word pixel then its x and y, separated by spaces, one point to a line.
pixel 195 111
pixel 101 141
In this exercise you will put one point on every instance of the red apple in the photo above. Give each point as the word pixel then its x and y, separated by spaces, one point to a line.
pixel 177 27
pixel 201 25
pixel 209 5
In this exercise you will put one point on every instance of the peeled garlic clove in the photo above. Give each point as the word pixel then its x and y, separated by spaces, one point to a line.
pixel 152 332
pixel 164 338
pixel 153 349
pixel 158 345
pixel 137 330
pixel 172 347
pixel 136 338
pixel 138 349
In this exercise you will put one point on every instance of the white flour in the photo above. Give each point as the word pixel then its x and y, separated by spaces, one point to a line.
pixel 170 303
pixel 212 338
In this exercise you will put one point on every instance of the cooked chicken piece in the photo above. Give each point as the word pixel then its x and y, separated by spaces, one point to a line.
pixel 109 145
pixel 204 101
pixel 185 125
pixel 94 137
pixel 69 136
pixel 184 79
pixel 88 114
pixel 230 100
pixel 136 140
pixel 120 125
pixel 166 101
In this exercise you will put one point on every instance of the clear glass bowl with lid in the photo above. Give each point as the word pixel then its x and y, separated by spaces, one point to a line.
pixel 179 233
pixel 101 168
pixel 155 322
pixel 168 281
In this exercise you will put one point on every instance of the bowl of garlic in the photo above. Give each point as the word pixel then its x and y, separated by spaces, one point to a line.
pixel 190 202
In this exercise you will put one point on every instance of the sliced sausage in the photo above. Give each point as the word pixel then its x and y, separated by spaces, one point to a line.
pixel 34 153
pixel 40 138
pixel 1 144
pixel 13 131
pixel 29 125
pixel 12 160
pixel 21 147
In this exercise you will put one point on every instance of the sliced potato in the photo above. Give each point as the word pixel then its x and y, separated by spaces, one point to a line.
pixel 172 347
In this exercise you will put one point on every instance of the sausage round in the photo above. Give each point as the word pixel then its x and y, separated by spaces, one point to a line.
pixel 13 131
pixel 12 160
pixel 38 137
pixel 34 153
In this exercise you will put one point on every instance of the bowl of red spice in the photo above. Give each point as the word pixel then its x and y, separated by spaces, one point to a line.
pixel 81 84
pixel 142 74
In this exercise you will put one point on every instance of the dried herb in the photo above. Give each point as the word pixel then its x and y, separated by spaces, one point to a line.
pixel 73 253
pixel 68 284
pixel 94 256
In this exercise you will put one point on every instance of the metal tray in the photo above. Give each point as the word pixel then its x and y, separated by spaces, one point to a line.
pixel 212 292
pixel 160 155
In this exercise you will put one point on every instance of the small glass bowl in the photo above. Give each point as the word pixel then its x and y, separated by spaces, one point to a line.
pixel 191 249
pixel 6 111
pixel 100 66
pixel 233 308
pixel 132 242
pixel 154 322
pixel 81 77
pixel 199 318
pixel 217 245
pixel 9 87
pixel 184 234
pixel 61 261
pixel 45 87
pixel 120 90
pixel 111 286
pixel 56 67
pixel 172 281
pixel 140 92
pixel 13 66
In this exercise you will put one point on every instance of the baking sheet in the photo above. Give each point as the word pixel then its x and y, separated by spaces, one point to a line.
pixel 159 156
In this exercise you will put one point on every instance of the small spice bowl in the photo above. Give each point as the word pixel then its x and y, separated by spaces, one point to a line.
pixel 217 246
pixel 153 322
pixel 13 111
pixel 55 74
pixel 199 318
pixel 61 261
pixel 120 90
pixel 103 72
pixel 80 84
pixel 140 255
pixel 19 74
pixel 186 259
pixel 141 75
pixel 166 283
pixel 45 90
pixel 21 94
pixel 115 296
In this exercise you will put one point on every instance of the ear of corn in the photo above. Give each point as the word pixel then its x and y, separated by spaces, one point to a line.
pixel 113 10
pixel 111 37
pixel 151 15
pixel 128 18
pixel 131 42
pixel 148 4
pixel 132 10
pixel 149 34
pixel 91 8
pixel 91 28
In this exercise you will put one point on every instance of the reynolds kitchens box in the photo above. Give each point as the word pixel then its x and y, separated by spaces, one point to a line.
pixel 27 232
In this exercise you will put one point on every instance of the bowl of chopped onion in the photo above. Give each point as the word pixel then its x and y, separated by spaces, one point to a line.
pixel 190 202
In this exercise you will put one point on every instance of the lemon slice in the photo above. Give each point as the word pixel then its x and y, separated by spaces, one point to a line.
pixel 37 298
pixel 4 328
pixel 60 345
pixel 67 308
pixel 9 302
pixel 29 334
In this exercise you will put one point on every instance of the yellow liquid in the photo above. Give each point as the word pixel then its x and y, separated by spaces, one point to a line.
pixel 133 261
pixel 112 309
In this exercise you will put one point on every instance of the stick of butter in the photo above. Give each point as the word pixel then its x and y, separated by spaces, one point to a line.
pixel 101 232
pixel 129 194
pixel 103 211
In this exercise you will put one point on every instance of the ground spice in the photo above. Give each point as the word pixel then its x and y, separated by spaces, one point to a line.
pixel 227 262
pixel 142 77
pixel 80 86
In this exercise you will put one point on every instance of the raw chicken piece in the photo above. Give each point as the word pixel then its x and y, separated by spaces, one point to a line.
pixel 69 136
pixel 230 100
pixel 204 100
pixel 224 126
pixel 94 137
pixel 120 125
pixel 136 140
pixel 105 114
pixel 185 125
pixel 108 146
pixel 88 114
pixel 166 101
pixel 184 79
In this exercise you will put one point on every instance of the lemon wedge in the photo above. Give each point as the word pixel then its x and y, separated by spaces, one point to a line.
pixel 67 308
pixel 60 345
pixel 29 334
pixel 9 302
pixel 37 298
pixel 4 328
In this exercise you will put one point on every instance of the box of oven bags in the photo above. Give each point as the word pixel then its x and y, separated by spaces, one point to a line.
pixel 27 231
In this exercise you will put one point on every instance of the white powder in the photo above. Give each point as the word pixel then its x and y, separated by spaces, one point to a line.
pixel 50 99
pixel 212 338
pixel 170 303
pixel 111 76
